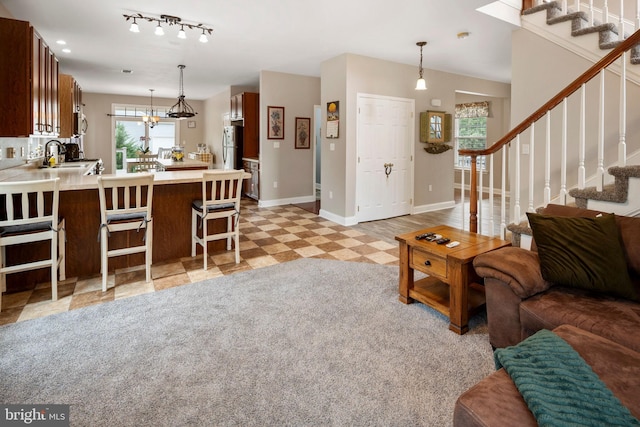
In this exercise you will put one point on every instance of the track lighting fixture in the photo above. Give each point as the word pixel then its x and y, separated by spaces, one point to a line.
pixel 169 20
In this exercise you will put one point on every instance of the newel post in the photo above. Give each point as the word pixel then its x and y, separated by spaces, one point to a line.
pixel 473 196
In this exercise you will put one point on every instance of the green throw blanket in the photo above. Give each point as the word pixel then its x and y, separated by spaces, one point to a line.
pixel 559 387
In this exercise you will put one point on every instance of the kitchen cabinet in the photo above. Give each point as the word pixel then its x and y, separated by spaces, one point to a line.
pixel 70 98
pixel 28 82
pixel 236 112
pixel 251 187
pixel 245 107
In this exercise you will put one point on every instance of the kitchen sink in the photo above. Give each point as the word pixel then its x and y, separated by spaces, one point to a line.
pixel 67 165
pixel 71 165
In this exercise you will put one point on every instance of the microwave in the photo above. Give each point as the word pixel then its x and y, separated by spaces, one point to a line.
pixel 79 124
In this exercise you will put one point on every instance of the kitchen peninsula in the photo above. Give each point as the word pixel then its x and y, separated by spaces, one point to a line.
pixel 79 204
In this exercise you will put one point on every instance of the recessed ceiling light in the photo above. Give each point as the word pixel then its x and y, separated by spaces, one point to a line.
pixel 66 50
pixel 61 42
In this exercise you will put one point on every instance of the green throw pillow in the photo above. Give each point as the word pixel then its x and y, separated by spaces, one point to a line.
pixel 582 253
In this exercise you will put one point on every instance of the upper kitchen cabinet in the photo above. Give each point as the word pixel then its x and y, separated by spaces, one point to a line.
pixel 244 107
pixel 70 96
pixel 28 82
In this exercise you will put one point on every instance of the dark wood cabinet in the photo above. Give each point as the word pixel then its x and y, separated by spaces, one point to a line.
pixel 28 82
pixel 245 111
pixel 236 111
pixel 252 185
pixel 70 98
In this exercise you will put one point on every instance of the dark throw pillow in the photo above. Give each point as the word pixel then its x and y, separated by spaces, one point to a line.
pixel 584 253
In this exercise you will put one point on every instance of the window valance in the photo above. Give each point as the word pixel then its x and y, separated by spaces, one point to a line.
pixel 472 109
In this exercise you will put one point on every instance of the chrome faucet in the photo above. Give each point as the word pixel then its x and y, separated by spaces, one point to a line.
pixel 47 156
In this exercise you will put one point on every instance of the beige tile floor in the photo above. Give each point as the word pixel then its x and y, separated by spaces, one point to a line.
pixel 268 236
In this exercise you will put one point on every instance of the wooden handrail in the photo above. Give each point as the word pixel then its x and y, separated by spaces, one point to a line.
pixel 593 71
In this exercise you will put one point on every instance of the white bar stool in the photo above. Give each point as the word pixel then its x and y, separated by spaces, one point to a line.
pixel 221 193
pixel 29 214
pixel 125 204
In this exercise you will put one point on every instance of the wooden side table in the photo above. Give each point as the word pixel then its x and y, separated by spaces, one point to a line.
pixel 452 286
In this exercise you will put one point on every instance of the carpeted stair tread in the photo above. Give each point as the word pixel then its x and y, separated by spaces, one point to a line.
pixel 631 171
pixel 618 192
pixel 615 193
pixel 552 9
pixel 607 32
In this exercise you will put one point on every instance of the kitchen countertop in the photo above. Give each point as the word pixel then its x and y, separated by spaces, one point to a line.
pixel 74 178
pixel 182 164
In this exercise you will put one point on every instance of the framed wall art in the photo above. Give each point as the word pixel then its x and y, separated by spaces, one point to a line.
pixel 333 119
pixel 275 116
pixel 303 135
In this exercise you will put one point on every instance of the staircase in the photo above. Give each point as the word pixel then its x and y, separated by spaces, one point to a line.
pixel 591 33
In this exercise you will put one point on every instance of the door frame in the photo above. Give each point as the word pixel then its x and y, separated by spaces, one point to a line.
pixel 411 148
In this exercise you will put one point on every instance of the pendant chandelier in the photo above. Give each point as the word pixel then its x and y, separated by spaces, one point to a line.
pixel 421 84
pixel 181 110
pixel 151 118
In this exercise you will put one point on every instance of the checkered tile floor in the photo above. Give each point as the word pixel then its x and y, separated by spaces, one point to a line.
pixel 268 236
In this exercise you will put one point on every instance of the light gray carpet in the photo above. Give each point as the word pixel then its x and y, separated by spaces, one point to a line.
pixel 310 342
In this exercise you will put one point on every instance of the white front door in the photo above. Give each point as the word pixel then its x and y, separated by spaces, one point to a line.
pixel 385 162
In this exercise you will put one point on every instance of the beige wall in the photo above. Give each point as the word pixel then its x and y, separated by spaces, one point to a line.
pixel 4 13
pixel 99 139
pixel 343 78
pixel 216 109
pixel 286 173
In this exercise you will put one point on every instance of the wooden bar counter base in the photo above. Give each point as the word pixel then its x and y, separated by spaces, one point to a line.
pixel 452 286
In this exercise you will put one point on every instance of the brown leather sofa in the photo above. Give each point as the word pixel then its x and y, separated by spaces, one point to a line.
pixel 601 328
pixel 495 401
pixel 520 302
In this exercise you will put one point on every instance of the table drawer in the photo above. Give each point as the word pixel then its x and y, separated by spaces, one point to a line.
pixel 429 263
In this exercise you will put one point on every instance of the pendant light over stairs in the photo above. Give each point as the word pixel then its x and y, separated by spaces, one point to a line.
pixel 181 110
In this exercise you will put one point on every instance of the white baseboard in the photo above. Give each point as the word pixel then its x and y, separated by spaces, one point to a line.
pixel 433 207
pixel 467 188
pixel 289 201
pixel 346 221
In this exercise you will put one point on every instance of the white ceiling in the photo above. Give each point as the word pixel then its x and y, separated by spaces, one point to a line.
pixel 290 36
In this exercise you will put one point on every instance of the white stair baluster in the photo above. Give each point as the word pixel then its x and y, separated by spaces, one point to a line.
pixel 547 161
pixel 622 144
pixel 582 140
pixel 563 155
pixel 621 21
pixel 600 169
pixel 480 161
pixel 531 168
pixel 503 202
pixel 492 228
pixel 516 205
pixel 465 217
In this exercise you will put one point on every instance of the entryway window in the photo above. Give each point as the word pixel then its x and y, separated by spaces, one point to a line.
pixel 470 129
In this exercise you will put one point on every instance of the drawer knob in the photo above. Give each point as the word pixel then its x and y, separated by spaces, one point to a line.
pixel 427 263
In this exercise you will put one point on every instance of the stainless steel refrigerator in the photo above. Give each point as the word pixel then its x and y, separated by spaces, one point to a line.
pixel 232 147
